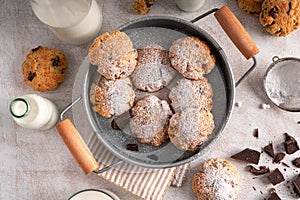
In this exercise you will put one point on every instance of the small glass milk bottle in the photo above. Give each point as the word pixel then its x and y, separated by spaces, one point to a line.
pixel 34 112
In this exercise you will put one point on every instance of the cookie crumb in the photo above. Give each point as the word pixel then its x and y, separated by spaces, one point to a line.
pixel 265 106
pixel 238 104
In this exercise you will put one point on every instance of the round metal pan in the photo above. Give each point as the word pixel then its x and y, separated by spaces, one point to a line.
pixel 163 31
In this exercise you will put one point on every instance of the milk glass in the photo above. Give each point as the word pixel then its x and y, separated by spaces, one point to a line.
pixel 189 5
pixel 72 21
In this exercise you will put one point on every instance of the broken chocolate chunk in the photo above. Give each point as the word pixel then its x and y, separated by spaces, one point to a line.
pixel 114 125
pixel 275 177
pixel 55 61
pixel 279 157
pixel 274 196
pixel 248 155
pixel 262 170
pixel 290 144
pixel 269 149
pixel 31 75
pixel 296 185
pixel 132 147
pixel 296 162
pixel 255 133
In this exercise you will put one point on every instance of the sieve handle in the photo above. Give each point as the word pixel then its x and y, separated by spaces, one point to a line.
pixel 236 32
pixel 77 146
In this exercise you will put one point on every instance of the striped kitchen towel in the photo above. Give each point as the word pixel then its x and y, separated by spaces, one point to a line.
pixel 149 184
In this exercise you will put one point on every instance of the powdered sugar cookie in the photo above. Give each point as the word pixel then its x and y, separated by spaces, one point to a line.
pixel 153 70
pixel 114 55
pixel 189 129
pixel 149 120
pixel 112 97
pixel 191 94
pixel 191 57
pixel 216 179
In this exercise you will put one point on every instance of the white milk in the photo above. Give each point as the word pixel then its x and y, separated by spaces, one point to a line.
pixel 34 112
pixel 189 5
pixel 73 21
pixel 92 195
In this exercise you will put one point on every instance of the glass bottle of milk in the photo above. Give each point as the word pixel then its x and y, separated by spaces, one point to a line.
pixel 72 21
pixel 34 112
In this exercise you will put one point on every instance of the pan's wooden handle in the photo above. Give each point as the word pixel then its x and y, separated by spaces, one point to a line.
pixel 236 32
pixel 77 146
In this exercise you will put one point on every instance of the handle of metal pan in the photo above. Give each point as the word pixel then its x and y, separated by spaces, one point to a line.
pixel 237 33
pixel 77 146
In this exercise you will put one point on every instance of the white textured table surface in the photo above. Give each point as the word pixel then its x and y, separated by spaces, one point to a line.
pixel 36 164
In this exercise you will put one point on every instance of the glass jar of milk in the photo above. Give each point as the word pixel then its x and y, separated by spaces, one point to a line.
pixel 34 112
pixel 73 21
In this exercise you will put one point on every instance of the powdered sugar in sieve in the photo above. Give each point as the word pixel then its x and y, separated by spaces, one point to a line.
pixel 282 83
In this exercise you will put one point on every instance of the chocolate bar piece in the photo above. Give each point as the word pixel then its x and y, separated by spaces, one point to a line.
pixel 296 185
pixel 290 144
pixel 269 149
pixel 255 133
pixel 262 170
pixel 296 162
pixel 248 155
pixel 274 196
pixel 275 177
pixel 279 157
pixel 132 147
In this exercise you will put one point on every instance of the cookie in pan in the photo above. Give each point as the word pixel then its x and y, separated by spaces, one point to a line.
pixel 112 97
pixel 150 119
pixel 44 69
pixel 189 129
pixel 280 17
pixel 251 6
pixel 191 57
pixel 217 179
pixel 191 93
pixel 114 55
pixel 153 70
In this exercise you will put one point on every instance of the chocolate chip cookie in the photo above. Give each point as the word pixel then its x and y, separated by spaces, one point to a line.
pixel 280 17
pixel 44 69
